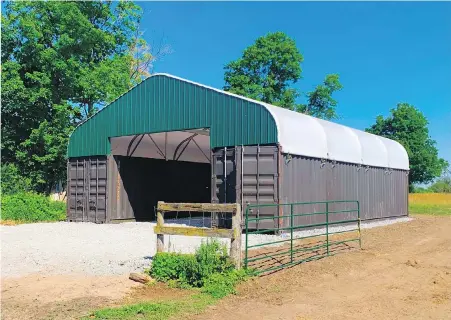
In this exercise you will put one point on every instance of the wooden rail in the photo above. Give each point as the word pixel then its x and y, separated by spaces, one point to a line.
pixel 234 234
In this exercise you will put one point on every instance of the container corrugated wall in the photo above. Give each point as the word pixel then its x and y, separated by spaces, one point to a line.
pixel 87 189
pixel 252 178
pixel 382 193
pixel 162 103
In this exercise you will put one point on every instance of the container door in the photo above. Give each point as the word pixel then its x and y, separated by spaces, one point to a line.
pixel 87 189
pixel 248 175
pixel 258 182
pixel 76 200
pixel 224 176
pixel 97 190
pixel 223 183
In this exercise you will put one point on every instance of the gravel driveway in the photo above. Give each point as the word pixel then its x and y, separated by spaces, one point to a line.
pixel 95 249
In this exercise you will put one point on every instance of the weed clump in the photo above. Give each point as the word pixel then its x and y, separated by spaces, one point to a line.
pixel 210 269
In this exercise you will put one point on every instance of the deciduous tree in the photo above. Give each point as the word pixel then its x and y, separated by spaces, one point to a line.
pixel 267 71
pixel 60 59
pixel 407 125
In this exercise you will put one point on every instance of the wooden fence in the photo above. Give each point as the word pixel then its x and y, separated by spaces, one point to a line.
pixel 234 233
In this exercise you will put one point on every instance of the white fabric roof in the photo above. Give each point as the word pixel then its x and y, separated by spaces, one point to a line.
pixel 303 135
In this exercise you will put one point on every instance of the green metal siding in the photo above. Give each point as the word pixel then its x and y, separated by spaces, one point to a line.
pixel 162 103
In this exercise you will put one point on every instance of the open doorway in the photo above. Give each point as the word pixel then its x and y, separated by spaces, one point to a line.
pixel 170 166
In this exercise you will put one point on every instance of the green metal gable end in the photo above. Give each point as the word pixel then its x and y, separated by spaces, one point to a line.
pixel 165 103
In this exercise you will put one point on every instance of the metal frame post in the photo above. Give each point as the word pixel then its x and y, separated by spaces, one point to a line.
pixel 247 237
pixel 358 223
pixel 327 227
pixel 291 232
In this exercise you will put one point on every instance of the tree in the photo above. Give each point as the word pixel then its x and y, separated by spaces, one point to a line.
pixel 409 127
pixel 442 185
pixel 268 69
pixel 143 56
pixel 320 102
pixel 59 59
pixel 42 156
pixel 12 182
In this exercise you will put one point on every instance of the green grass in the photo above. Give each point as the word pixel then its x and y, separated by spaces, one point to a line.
pixel 156 310
pixel 433 209
pixel 430 203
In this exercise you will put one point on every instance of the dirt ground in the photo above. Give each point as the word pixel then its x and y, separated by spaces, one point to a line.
pixel 403 272
pixel 60 297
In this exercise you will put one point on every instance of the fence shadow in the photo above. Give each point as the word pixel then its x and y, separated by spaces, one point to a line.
pixel 269 260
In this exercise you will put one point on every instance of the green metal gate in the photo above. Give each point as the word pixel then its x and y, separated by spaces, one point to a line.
pixel 301 237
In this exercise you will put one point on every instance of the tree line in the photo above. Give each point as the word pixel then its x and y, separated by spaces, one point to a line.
pixel 63 61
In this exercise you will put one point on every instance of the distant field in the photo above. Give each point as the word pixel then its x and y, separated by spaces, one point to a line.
pixel 430 203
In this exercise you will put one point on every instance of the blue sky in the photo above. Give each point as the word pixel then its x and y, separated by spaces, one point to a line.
pixel 384 52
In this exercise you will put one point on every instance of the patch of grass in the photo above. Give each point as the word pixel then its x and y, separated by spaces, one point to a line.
pixel 31 207
pixel 430 209
pixel 156 310
pixel 188 270
pixel 219 285
pixel 209 273
pixel 430 203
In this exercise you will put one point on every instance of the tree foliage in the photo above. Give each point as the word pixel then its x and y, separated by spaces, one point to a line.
pixel 267 71
pixel 12 181
pixel 442 185
pixel 42 156
pixel 320 102
pixel 143 56
pixel 409 126
pixel 61 61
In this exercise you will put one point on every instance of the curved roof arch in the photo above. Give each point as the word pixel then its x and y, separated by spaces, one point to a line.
pixel 329 140
pixel 164 102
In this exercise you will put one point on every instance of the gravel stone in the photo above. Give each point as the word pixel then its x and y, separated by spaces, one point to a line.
pixel 102 249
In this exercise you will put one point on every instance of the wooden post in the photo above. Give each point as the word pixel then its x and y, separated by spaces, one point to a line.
pixel 235 243
pixel 160 237
pixel 234 234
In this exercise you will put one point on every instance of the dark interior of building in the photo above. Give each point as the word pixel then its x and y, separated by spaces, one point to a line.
pixel 147 181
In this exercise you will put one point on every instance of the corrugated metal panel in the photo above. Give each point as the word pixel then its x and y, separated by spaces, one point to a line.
pixel 252 178
pixel 224 185
pixel 342 184
pixel 304 180
pixel 260 182
pixel 87 186
pixel 76 181
pixel 382 193
pixel 163 103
